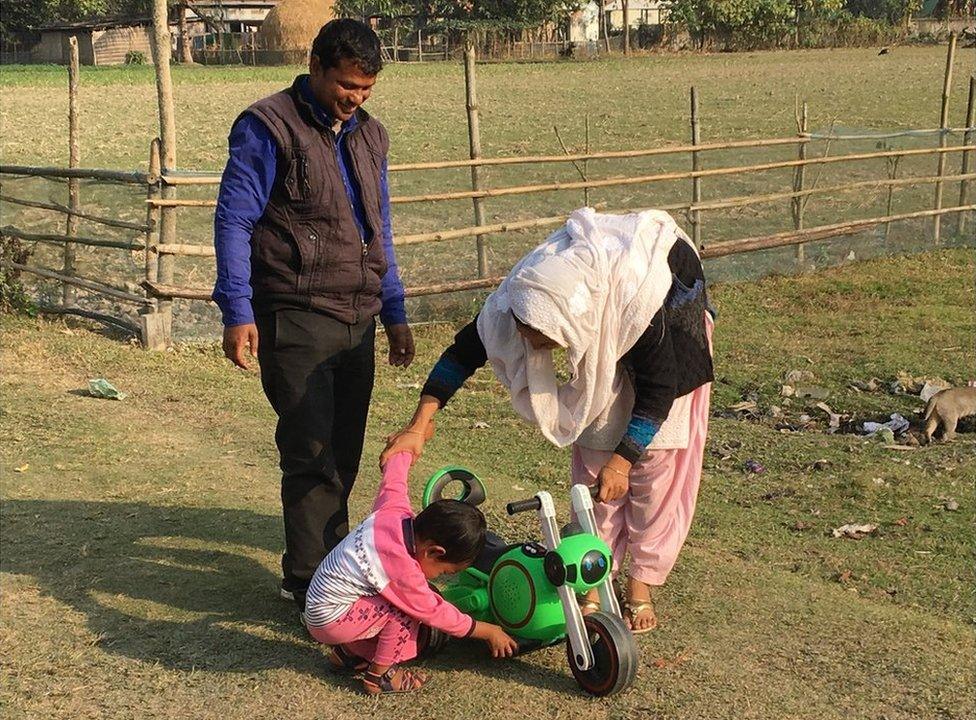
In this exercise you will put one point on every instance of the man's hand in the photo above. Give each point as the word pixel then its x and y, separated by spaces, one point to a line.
pixel 236 339
pixel 614 479
pixel 401 344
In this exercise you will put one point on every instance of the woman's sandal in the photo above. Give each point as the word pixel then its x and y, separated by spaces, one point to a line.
pixel 632 609
pixel 343 661
pixel 410 680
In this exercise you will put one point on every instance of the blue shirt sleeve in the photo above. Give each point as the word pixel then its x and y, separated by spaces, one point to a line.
pixel 394 311
pixel 245 189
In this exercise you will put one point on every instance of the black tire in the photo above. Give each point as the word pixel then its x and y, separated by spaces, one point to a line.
pixel 430 641
pixel 615 656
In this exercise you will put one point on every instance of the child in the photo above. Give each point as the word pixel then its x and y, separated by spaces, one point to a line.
pixel 370 594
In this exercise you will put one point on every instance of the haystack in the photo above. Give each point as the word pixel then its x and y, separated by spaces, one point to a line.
pixel 293 24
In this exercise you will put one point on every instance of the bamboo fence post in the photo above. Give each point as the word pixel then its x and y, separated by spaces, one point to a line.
pixel 892 175
pixel 943 136
pixel 968 139
pixel 152 324
pixel 167 136
pixel 799 179
pixel 152 211
pixel 696 194
pixel 474 145
pixel 69 294
pixel 586 163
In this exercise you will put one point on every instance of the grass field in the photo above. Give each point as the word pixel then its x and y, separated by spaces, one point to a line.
pixel 637 103
pixel 141 538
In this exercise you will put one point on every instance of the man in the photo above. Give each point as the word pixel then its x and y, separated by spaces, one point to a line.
pixel 305 261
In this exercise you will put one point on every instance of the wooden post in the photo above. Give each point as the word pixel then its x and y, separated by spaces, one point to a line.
pixel 186 56
pixel 969 138
pixel 943 136
pixel 626 9
pixel 420 45
pixel 474 146
pixel 396 42
pixel 798 204
pixel 696 195
pixel 69 295
pixel 605 25
pixel 167 149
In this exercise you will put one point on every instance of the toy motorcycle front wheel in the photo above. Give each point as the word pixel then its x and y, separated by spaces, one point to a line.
pixel 614 656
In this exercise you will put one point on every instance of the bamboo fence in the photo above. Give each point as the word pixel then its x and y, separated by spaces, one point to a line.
pixel 157 238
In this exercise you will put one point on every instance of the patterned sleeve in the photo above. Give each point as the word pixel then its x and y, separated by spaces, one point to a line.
pixel 459 362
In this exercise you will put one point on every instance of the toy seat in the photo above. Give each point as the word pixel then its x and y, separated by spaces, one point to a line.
pixel 494 548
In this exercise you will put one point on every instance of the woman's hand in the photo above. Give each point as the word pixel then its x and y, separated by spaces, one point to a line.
pixel 614 479
pixel 410 439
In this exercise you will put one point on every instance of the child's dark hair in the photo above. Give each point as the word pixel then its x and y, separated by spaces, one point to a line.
pixel 457 527
pixel 348 39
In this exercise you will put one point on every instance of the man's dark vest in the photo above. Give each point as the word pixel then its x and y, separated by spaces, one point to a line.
pixel 306 250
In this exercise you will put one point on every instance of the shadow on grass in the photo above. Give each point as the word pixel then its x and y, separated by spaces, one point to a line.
pixel 184 588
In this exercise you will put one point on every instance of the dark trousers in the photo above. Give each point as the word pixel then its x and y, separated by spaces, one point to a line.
pixel 317 373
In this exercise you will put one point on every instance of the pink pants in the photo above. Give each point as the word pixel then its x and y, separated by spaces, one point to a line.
pixel 374 630
pixel 651 522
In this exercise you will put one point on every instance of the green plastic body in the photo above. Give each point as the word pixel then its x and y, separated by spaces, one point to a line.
pixel 516 596
pixel 472 489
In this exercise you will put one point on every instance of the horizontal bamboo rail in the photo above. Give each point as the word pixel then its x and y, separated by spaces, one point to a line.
pixel 762 242
pixel 683 175
pixel 733 202
pixel 439 288
pixel 180 202
pixel 795 237
pixel 616 182
pixel 57 239
pixel 64 209
pixel 166 292
pixel 183 249
pixel 214 178
pixel 132 177
pixel 80 282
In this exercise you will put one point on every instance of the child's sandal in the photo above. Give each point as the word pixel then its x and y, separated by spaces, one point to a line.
pixel 343 661
pixel 410 680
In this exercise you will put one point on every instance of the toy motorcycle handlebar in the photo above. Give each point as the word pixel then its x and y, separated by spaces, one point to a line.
pixel 520 506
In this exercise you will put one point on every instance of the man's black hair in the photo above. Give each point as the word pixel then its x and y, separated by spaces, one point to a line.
pixel 348 39
pixel 457 527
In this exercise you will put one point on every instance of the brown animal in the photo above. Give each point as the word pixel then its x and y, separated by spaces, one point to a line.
pixel 946 407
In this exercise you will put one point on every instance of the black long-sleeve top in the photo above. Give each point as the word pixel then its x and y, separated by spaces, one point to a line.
pixel 670 358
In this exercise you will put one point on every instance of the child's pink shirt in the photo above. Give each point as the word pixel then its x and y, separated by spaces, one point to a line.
pixel 376 558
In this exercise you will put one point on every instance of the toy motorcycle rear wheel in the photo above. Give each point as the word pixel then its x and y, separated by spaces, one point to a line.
pixel 430 641
pixel 614 656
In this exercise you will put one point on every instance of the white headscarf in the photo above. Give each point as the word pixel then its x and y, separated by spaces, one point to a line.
pixel 592 286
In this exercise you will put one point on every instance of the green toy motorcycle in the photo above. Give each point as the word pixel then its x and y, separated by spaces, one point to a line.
pixel 530 588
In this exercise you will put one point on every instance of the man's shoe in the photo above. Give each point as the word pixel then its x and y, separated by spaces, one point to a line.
pixel 284 593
